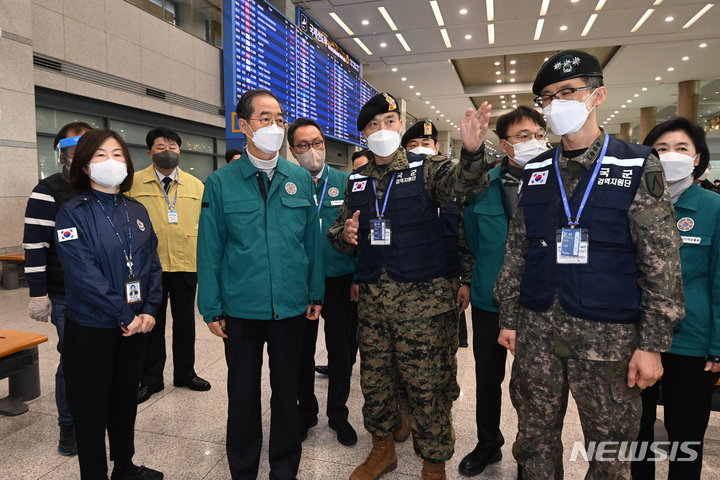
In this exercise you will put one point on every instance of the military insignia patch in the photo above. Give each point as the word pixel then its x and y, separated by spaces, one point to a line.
pixel 427 127
pixel 538 178
pixel 333 192
pixel 140 225
pixel 359 186
pixel 391 102
pixel 655 184
pixel 290 188
pixel 685 224
pixel 567 64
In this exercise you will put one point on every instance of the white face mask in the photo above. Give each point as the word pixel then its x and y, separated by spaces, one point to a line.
pixel 109 173
pixel 312 160
pixel 524 152
pixel 677 165
pixel 566 117
pixel 268 139
pixel 704 176
pixel 384 143
pixel 423 151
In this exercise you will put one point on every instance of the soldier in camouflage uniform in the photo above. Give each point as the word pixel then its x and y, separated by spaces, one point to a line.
pixel 406 305
pixel 596 326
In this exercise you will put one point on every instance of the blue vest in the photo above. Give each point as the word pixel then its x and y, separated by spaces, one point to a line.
pixel 416 252
pixel 605 289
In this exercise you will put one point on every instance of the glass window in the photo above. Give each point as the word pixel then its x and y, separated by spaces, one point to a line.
pixel 48 120
pixel 197 17
pixel 47 161
pixel 131 132
pixel 196 143
pixel 141 159
pixel 200 166
pixel 221 146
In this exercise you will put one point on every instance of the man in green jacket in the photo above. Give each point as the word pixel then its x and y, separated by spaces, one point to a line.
pixel 260 274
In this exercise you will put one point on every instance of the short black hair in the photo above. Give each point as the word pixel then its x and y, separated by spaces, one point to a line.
pixel 74 127
pixel 522 112
pixel 162 132
pixel 244 108
pixel 596 82
pixel 302 122
pixel 231 153
pixel 693 130
pixel 362 153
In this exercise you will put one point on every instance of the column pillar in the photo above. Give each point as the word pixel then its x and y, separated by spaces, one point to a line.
pixel 688 99
pixel 648 120
pixel 625 131
pixel 402 105
pixel 444 141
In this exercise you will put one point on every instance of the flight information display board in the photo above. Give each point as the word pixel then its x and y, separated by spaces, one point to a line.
pixel 263 49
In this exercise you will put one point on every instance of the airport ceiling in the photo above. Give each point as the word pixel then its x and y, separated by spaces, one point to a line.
pixel 493 50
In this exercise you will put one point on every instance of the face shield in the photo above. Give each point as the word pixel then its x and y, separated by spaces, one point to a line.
pixel 66 149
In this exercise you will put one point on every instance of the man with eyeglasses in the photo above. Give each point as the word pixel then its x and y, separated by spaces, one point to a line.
pixel 487 215
pixel 260 275
pixel 307 145
pixel 590 287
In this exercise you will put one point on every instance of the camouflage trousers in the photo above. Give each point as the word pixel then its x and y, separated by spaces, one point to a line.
pixel 609 410
pixel 418 351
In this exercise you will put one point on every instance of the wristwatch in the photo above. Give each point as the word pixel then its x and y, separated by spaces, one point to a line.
pixel 219 317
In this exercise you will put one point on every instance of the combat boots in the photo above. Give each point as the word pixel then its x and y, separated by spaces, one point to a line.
pixel 433 471
pixel 382 459
pixel 404 431
pixel 448 409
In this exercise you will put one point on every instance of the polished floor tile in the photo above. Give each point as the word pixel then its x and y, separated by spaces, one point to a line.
pixel 182 432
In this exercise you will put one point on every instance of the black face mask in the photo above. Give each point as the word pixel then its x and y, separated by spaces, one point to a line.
pixel 166 160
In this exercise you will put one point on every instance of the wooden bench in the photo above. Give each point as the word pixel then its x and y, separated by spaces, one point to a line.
pixel 11 263
pixel 19 360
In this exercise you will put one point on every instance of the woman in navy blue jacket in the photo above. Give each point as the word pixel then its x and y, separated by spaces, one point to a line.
pixel 108 250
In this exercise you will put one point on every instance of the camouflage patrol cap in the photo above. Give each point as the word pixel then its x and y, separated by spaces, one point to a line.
pixel 380 103
pixel 564 66
pixel 422 129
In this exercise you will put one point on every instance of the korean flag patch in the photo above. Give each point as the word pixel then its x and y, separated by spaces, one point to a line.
pixel 360 186
pixel 67 234
pixel 538 178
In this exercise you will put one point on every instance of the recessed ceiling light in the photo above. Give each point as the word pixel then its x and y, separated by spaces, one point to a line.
pixel 362 45
pixel 433 107
pixel 491 33
pixel 468 37
pixel 417 93
pixel 612 116
pixel 446 39
pixel 512 62
pixel 504 106
pixel 600 5
pixel 642 20
pixel 589 25
pixel 442 115
pixel 636 95
pixel 498 73
pixel 686 58
pixel 616 111
pixel 604 123
pixel 337 19
pixel 644 89
pixel 703 45
pixel 447 120
pixel 512 79
pixel 512 96
pixel 490 10
pixel 704 98
pixel 514 101
pixel 497 64
pixel 403 42
pixel 383 45
pixel 538 29
pixel 436 11
pixel 463 11
pixel 427 103
pixel 544 7
pixel 574 1
pixel 412 86
pixel 365 22
pixel 622 106
pixel 564 27
pixel 669 19
pixel 394 69
pixel 499 81
pixel 503 101
pixel 629 101
pixel 670 69
pixel 387 18
pixel 608 119
pixel 512 71
pixel 699 14
pixel 658 78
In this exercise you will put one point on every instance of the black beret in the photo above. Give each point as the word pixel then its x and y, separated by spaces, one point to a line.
pixel 423 129
pixel 380 103
pixel 564 66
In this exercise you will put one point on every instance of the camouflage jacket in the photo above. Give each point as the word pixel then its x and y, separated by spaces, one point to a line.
pixel 444 181
pixel 652 227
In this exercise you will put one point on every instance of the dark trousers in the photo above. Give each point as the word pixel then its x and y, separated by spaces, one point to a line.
pixel 340 316
pixel 180 287
pixel 489 374
pixel 463 328
pixel 244 356
pixel 687 395
pixel 102 370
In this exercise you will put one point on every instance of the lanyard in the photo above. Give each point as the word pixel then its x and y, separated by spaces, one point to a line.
pixel 380 214
pixel 128 258
pixel 587 189
pixel 324 188
pixel 177 177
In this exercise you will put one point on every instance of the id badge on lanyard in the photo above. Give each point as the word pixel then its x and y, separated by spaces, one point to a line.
pixel 133 291
pixel 172 212
pixel 172 216
pixel 572 245
pixel 380 231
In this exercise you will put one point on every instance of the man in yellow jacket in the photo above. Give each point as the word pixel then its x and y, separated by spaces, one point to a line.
pixel 173 199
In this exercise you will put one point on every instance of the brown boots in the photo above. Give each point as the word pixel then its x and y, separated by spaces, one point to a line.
pixel 381 459
pixel 404 431
pixel 433 471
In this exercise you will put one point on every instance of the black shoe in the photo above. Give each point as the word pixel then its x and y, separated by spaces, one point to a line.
pixel 304 427
pixel 322 370
pixel 519 472
pixel 463 343
pixel 68 443
pixel 345 433
pixel 195 383
pixel 145 392
pixel 133 472
pixel 476 461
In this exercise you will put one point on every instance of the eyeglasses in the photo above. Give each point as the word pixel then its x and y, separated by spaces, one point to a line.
pixel 526 136
pixel 304 147
pixel 564 95
pixel 267 121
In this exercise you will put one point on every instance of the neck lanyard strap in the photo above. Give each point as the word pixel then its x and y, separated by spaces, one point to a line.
pixel 128 258
pixel 381 214
pixel 587 189
pixel 322 197
pixel 167 199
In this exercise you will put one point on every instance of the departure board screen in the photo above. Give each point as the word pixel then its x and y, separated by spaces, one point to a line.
pixel 263 49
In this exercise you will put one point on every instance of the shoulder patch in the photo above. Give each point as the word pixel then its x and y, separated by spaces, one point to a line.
pixel 654 183
pixel 438 158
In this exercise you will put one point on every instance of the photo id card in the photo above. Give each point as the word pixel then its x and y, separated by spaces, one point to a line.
pixel 572 245
pixel 380 232
pixel 133 292
pixel 172 216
